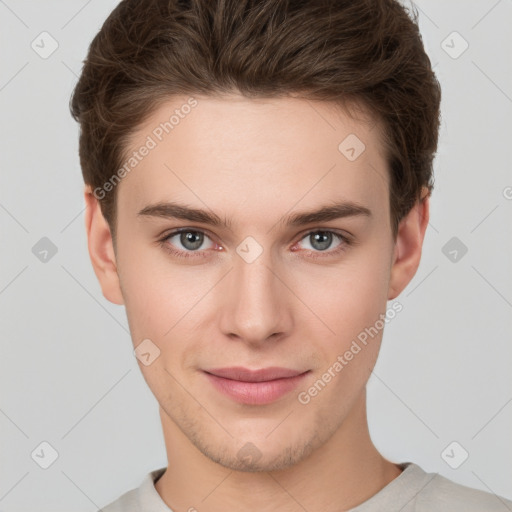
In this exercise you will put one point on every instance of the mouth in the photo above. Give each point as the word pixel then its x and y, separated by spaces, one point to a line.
pixel 255 387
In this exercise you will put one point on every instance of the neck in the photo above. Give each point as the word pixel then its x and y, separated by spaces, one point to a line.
pixel 344 472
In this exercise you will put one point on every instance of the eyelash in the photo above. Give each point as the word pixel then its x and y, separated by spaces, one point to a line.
pixel 345 242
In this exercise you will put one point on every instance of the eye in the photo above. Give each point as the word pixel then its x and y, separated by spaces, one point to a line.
pixel 319 242
pixel 184 242
pixel 190 243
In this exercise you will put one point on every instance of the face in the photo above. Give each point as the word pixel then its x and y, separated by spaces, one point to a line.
pixel 262 284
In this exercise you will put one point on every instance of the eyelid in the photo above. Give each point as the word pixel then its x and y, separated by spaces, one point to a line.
pixel 346 240
pixel 340 232
pixel 176 231
pixel 186 229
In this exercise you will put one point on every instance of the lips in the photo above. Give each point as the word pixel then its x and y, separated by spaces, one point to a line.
pixel 255 387
pixel 244 374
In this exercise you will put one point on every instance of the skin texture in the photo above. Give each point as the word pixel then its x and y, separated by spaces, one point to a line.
pixel 255 162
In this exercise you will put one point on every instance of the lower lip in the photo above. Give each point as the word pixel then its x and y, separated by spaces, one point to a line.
pixel 255 393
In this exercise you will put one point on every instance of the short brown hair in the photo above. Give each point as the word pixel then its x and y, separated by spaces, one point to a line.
pixel 368 51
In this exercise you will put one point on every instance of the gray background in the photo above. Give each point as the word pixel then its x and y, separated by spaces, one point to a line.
pixel 67 372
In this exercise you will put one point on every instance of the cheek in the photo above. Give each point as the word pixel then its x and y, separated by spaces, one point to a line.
pixel 163 300
pixel 351 302
pixel 168 302
pixel 351 297
pixel 162 306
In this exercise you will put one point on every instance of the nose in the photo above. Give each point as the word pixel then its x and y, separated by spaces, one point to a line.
pixel 257 303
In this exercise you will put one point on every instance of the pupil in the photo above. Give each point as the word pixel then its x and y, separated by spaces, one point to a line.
pixel 322 238
pixel 187 239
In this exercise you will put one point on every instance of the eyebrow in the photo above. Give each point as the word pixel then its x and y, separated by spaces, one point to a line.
pixel 338 210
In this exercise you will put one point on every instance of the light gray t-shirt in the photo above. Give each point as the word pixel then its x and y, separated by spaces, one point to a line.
pixel 414 490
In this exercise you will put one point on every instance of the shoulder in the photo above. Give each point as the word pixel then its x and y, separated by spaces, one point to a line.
pixel 142 498
pixel 128 502
pixel 442 495
pixel 416 490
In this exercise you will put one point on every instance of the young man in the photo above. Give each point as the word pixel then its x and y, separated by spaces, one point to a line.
pixel 257 186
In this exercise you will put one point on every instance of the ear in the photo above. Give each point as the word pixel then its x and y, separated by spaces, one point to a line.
pixel 101 249
pixel 408 245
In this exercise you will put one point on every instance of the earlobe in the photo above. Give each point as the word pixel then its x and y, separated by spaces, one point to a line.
pixel 101 250
pixel 408 246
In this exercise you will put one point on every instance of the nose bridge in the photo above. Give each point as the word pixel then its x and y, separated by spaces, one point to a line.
pixel 255 308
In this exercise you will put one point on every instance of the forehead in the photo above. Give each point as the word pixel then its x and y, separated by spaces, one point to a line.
pixel 230 151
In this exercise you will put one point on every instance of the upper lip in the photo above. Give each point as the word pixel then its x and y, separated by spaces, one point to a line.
pixel 261 375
